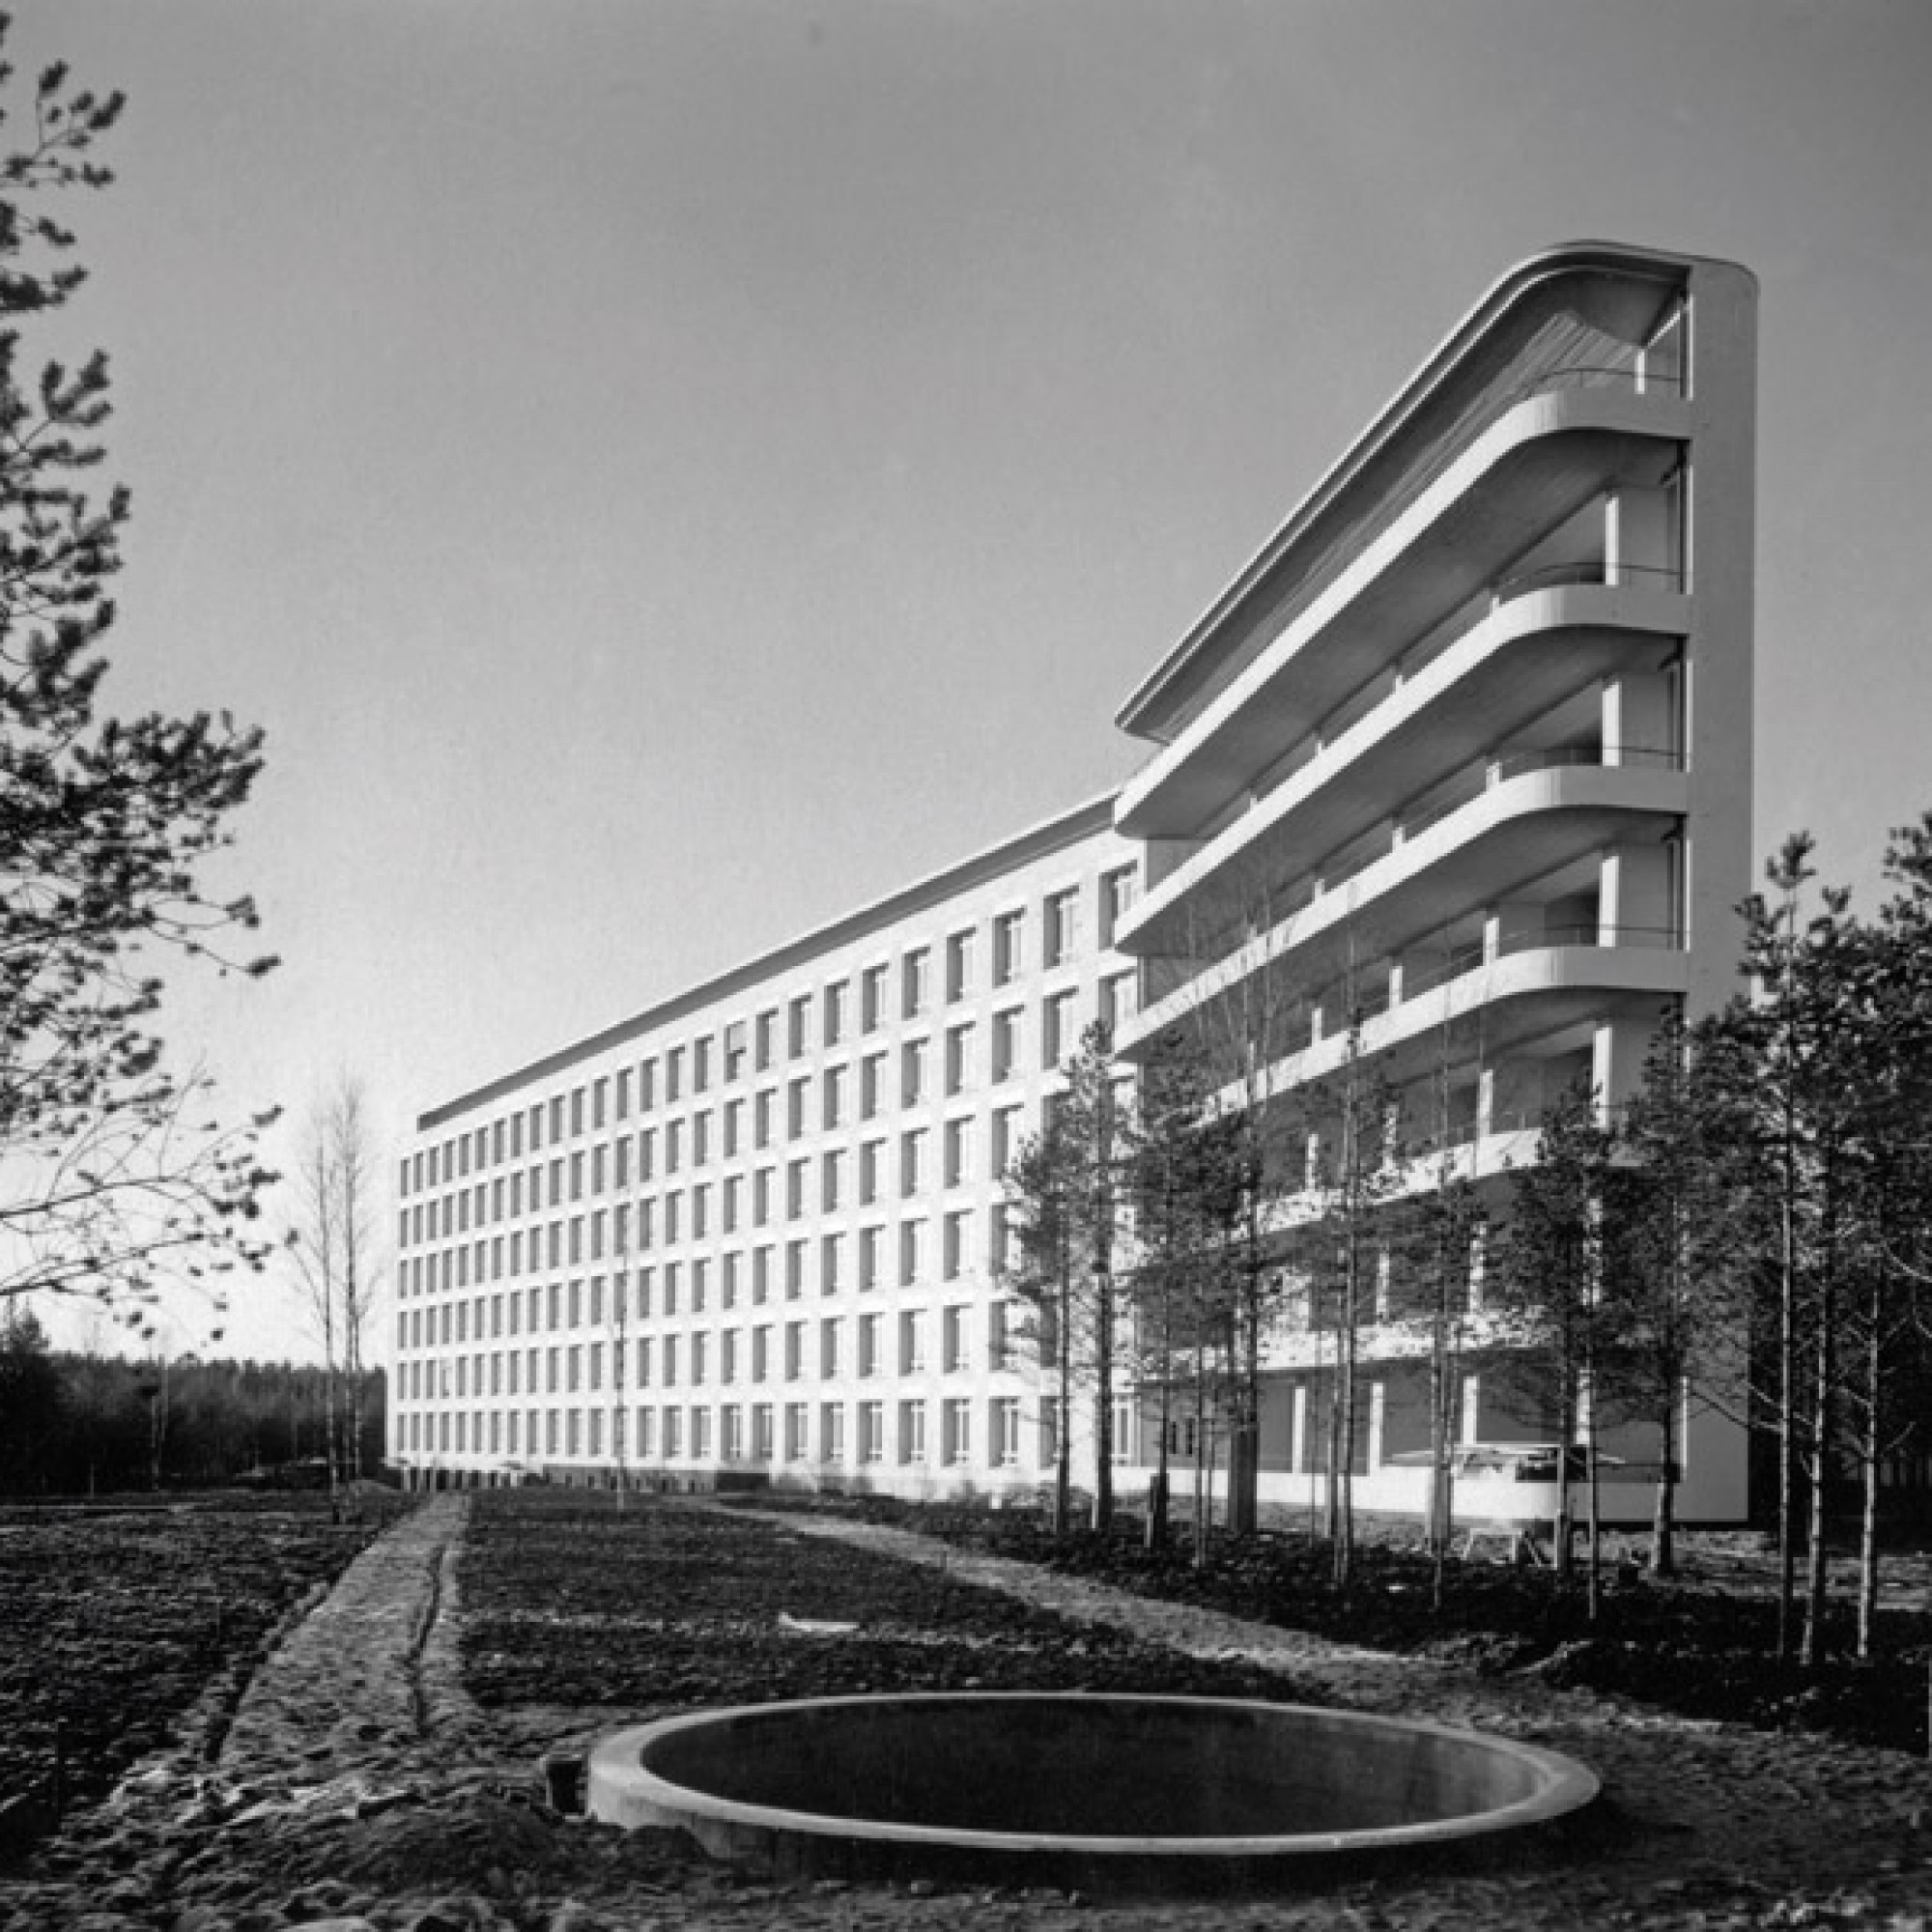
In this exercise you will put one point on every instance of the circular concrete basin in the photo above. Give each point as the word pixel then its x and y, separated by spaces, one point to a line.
pixel 1158 1793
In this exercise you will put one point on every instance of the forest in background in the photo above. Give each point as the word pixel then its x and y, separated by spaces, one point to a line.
pixel 82 1425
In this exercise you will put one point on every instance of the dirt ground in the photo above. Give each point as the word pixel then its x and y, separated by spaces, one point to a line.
pixel 526 1634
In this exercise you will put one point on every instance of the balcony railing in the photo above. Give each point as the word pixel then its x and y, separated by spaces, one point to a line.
pixel 1509 765
pixel 1430 465
pixel 1460 962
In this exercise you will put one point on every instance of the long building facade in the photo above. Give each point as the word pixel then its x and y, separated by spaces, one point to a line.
pixel 1453 780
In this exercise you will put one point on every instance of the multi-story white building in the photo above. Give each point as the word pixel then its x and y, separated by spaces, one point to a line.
pixel 1463 759
pixel 755 1227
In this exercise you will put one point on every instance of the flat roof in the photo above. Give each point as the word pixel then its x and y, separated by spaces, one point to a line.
pixel 1050 835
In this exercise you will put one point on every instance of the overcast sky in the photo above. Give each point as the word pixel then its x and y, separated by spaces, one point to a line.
pixel 665 472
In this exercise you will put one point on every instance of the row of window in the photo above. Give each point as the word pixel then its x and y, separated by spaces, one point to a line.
pixel 689 1141
pixel 745 1047
pixel 768 1352
pixel 868 1258
pixel 794 1432
pixel 847 1177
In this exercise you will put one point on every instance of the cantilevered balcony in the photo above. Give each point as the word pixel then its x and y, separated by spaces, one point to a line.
pixel 1434 567
pixel 1540 813
pixel 1517 664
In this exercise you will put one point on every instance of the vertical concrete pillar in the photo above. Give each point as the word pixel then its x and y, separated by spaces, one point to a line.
pixel 1640 537
pixel 1636 897
pixel 1639 715
pixel 1616 1059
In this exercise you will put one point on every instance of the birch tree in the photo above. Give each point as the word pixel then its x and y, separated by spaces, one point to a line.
pixel 334 1248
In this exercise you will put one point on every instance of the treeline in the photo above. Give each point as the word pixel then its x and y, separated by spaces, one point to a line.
pixel 81 1425
pixel 1748 1227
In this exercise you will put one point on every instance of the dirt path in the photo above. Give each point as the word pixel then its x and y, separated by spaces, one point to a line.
pixel 360 1790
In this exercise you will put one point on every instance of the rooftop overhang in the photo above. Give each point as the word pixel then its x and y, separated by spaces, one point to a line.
pixel 1518 326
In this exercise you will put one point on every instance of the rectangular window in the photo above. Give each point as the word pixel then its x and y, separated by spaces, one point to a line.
pixel 794 1189
pixel 831 1431
pixel 959 1152
pixel 912 1432
pixel 734 1052
pixel 761 1353
pixel 1006 1139
pixel 1008 942
pixel 832 1264
pixel 831 1180
pixel 912 1343
pixel 959 965
pixel 916 973
pixel 912 1072
pixel 794 1269
pixel 872 1432
pixel 1058 1029
pixel 761 1276
pixel 959 1430
pixel 700 1137
pixel 798 1025
pixel 673 1075
pixel 835 1096
pixel 868 1346
pixel 700 1063
pixel 873 999
pixel 912 1252
pixel 912 1162
pixel 647 1089
pixel 1006 1043
pixel 764 1040
pixel 952 1353
pixel 955 1244
pixel 872 1085
pixel 1117 895
pixel 1118 1002
pixel 958 1057
pixel 869 1239
pixel 796 1426
pixel 795 1098
pixel 1062 927
pixel 834 1014
pixel 795 1363
pixel 872 1161
pixel 1004 1427
pixel 1002 1351
pixel 828 1348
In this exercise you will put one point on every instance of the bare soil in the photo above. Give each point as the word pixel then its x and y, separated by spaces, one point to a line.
pixel 119 1618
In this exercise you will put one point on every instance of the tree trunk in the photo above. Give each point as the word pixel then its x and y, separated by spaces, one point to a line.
pixel 1663 1516
pixel 1870 1457
pixel 1813 1650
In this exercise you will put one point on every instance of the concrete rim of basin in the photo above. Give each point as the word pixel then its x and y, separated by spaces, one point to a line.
pixel 623 1791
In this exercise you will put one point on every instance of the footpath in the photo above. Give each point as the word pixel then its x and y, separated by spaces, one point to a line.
pixel 357 1788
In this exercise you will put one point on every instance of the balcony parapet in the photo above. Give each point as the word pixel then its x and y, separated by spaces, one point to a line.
pixel 1504 639
pixel 1317 649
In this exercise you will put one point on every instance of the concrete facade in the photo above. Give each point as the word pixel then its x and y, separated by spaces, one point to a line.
pixel 1464 754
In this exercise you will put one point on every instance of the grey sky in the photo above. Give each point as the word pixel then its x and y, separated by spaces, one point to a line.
pixel 665 472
